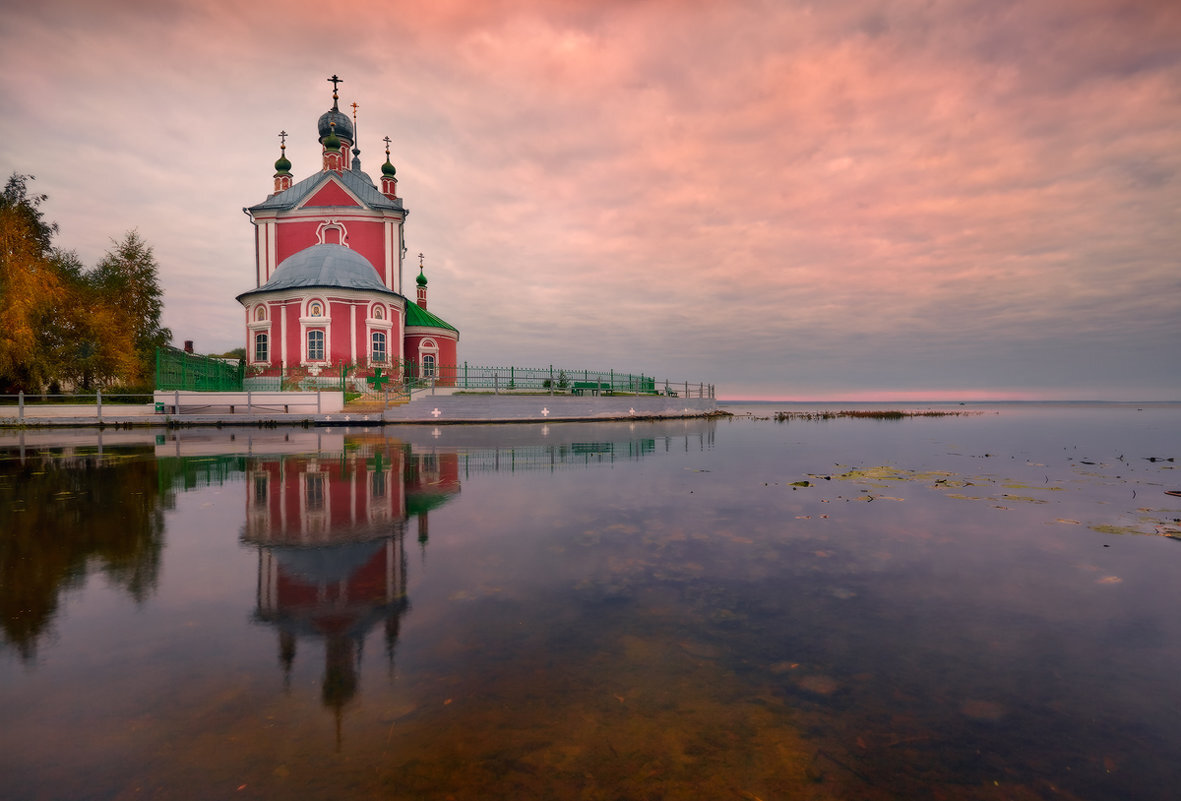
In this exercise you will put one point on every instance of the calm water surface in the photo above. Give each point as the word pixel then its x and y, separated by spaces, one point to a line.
pixel 980 606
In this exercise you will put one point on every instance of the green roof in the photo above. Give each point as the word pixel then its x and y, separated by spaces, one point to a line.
pixel 417 315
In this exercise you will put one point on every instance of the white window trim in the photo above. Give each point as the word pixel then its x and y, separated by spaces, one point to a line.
pixel 328 225
pixel 254 346
pixel 369 337
pixel 303 345
pixel 305 308
pixel 259 327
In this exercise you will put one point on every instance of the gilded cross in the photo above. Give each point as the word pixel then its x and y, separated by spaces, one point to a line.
pixel 282 138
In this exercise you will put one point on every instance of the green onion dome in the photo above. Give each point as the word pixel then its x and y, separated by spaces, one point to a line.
pixel 331 141
pixel 387 169
pixel 421 279
pixel 283 166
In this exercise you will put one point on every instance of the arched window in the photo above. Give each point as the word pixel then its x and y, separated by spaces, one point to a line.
pixel 377 351
pixel 261 353
pixel 428 365
pixel 315 346
pixel 315 309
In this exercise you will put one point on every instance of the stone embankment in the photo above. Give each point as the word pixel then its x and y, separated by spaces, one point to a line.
pixel 434 409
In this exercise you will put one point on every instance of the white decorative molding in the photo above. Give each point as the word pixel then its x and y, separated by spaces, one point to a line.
pixel 332 224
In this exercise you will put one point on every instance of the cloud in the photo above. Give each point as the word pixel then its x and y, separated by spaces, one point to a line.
pixel 889 194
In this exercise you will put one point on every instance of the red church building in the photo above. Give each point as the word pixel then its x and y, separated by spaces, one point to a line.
pixel 329 255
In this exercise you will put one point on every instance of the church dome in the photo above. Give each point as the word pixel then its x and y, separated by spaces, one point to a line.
pixel 344 126
pixel 323 266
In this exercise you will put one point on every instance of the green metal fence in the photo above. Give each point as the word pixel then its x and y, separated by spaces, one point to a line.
pixel 560 380
pixel 407 377
pixel 176 369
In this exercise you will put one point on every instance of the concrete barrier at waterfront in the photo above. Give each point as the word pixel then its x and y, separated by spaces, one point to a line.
pixel 181 402
pixel 457 408
pixel 43 411
pixel 244 409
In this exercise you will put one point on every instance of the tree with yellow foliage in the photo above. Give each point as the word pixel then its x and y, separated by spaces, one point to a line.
pixel 65 326
pixel 30 285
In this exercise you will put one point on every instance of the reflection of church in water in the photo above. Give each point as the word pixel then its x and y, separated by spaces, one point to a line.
pixel 329 515
pixel 330 530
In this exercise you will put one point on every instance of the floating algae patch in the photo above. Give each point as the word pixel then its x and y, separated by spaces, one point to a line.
pixel 1024 498
pixel 1147 525
pixel 882 475
pixel 868 414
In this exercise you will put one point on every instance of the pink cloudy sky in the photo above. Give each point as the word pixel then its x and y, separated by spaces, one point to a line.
pixel 896 200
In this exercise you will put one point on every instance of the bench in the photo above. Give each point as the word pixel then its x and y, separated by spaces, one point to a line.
pixel 594 387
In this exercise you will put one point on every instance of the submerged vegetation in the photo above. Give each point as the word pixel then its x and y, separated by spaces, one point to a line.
pixel 884 414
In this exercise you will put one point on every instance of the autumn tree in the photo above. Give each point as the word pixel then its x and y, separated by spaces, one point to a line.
pixel 61 324
pixel 30 285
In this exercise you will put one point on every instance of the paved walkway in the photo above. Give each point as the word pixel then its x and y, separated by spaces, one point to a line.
pixel 433 409
pixel 541 408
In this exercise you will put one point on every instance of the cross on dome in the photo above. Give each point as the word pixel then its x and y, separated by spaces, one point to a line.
pixel 334 81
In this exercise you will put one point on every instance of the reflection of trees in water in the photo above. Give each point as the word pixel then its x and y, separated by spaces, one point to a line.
pixel 68 516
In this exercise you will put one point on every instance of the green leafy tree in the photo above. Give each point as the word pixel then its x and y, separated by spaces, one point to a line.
pixel 128 278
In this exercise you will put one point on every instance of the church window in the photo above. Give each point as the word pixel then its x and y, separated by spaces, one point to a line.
pixel 260 348
pixel 315 346
pixel 428 365
pixel 377 351
pixel 260 489
pixel 314 491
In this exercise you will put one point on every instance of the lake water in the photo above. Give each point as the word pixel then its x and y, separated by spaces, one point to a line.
pixel 981 606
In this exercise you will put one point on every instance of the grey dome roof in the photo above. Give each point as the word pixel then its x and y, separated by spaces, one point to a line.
pixel 324 266
pixel 344 126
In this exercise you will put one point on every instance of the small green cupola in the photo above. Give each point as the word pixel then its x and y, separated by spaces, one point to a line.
pixel 282 164
pixel 331 141
pixel 421 281
pixel 389 181
pixel 283 177
pixel 334 155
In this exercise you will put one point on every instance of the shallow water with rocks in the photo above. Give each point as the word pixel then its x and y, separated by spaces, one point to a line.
pixel 978 605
